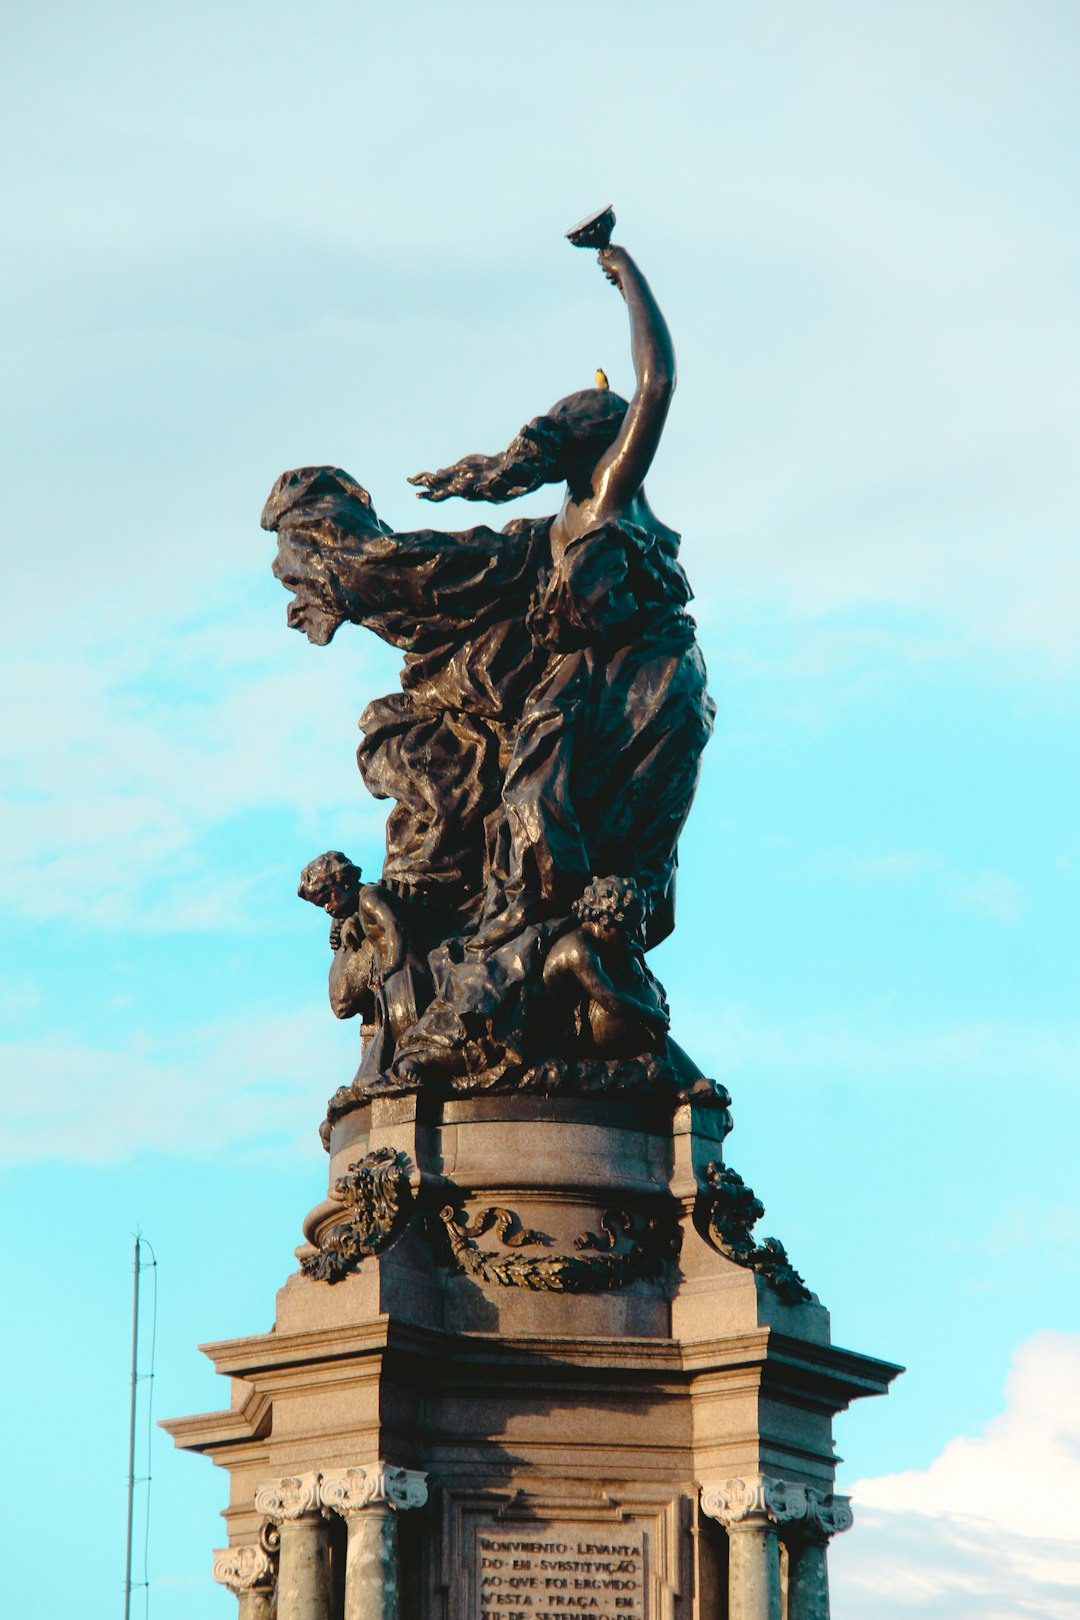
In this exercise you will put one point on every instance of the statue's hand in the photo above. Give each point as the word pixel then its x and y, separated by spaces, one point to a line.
pixel 352 933
pixel 433 485
pixel 613 262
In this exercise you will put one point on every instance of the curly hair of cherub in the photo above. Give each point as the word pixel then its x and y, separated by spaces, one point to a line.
pixel 320 875
pixel 580 427
pixel 612 902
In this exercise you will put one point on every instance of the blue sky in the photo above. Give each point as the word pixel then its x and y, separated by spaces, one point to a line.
pixel 243 237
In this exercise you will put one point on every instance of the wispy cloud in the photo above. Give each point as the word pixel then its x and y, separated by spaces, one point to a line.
pixel 992 894
pixel 257 1084
pixel 988 1531
pixel 122 761
pixel 869 1046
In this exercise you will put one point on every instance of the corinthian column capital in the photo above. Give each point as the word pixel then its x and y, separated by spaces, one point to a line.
pixel 761 1499
pixel 754 1499
pixel 829 1515
pixel 288 1498
pixel 242 1569
pixel 350 1490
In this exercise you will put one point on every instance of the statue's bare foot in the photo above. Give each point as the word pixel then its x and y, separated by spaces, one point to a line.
pixel 407 1072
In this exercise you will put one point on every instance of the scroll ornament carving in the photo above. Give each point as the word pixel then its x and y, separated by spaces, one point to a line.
pixel 732 1211
pixel 756 1497
pixel 243 1568
pixel 830 1515
pixel 375 1193
pixel 350 1490
pixel 627 1247
pixel 760 1497
pixel 270 1538
pixel 288 1498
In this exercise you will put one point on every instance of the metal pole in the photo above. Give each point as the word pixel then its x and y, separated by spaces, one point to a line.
pixel 131 1443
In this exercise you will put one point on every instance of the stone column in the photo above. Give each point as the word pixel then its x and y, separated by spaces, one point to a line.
pixel 369 1499
pixel 808 1578
pixel 249 1573
pixel 303 1563
pixel 751 1511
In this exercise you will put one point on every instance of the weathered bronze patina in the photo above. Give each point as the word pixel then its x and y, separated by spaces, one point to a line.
pixel 541 755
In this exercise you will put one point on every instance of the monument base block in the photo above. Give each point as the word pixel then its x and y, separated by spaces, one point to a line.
pixel 533 1366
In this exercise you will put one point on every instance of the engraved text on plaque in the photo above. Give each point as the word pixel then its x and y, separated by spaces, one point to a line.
pixel 554 1571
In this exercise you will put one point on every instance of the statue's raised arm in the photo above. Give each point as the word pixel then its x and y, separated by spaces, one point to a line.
pixel 620 473
pixel 616 479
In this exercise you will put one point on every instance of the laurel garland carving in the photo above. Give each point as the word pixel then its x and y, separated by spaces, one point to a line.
pixel 731 1211
pixel 375 1193
pixel 626 1248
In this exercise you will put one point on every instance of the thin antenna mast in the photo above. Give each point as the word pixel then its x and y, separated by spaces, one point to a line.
pixel 131 1443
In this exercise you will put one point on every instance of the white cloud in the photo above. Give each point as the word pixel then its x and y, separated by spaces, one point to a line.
pixel 877 321
pixel 988 1531
pixel 257 1084
pixel 122 758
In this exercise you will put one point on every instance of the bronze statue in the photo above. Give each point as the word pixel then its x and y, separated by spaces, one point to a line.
pixel 548 730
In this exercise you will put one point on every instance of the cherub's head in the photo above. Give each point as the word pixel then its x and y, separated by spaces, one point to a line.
pixel 611 908
pixel 331 881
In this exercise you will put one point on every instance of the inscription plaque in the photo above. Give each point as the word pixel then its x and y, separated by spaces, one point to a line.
pixel 553 1571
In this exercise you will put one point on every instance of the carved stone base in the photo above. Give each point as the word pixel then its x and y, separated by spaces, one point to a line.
pixel 670 1076
pixel 555 1310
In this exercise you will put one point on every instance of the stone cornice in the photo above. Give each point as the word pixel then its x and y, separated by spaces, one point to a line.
pixel 235 1426
pixel 762 1499
pixel 242 1569
pixel 350 1490
pixel 849 1373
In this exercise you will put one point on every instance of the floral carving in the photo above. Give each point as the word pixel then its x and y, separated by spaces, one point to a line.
pixel 732 1210
pixel 242 1569
pixel 375 1193
pixel 760 1497
pixel 626 1248
pixel 349 1490
pixel 288 1498
pixel 754 1498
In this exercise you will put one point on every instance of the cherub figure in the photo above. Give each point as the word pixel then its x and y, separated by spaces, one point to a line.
pixel 332 881
pixel 600 965
pixel 376 971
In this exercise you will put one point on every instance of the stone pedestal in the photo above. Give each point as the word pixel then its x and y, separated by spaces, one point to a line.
pixel 526 1364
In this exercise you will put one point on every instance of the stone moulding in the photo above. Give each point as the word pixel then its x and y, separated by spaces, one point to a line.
pixel 600 1263
pixel 376 1200
pixel 642 1078
pixel 243 1569
pixel 760 1498
pixel 731 1210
